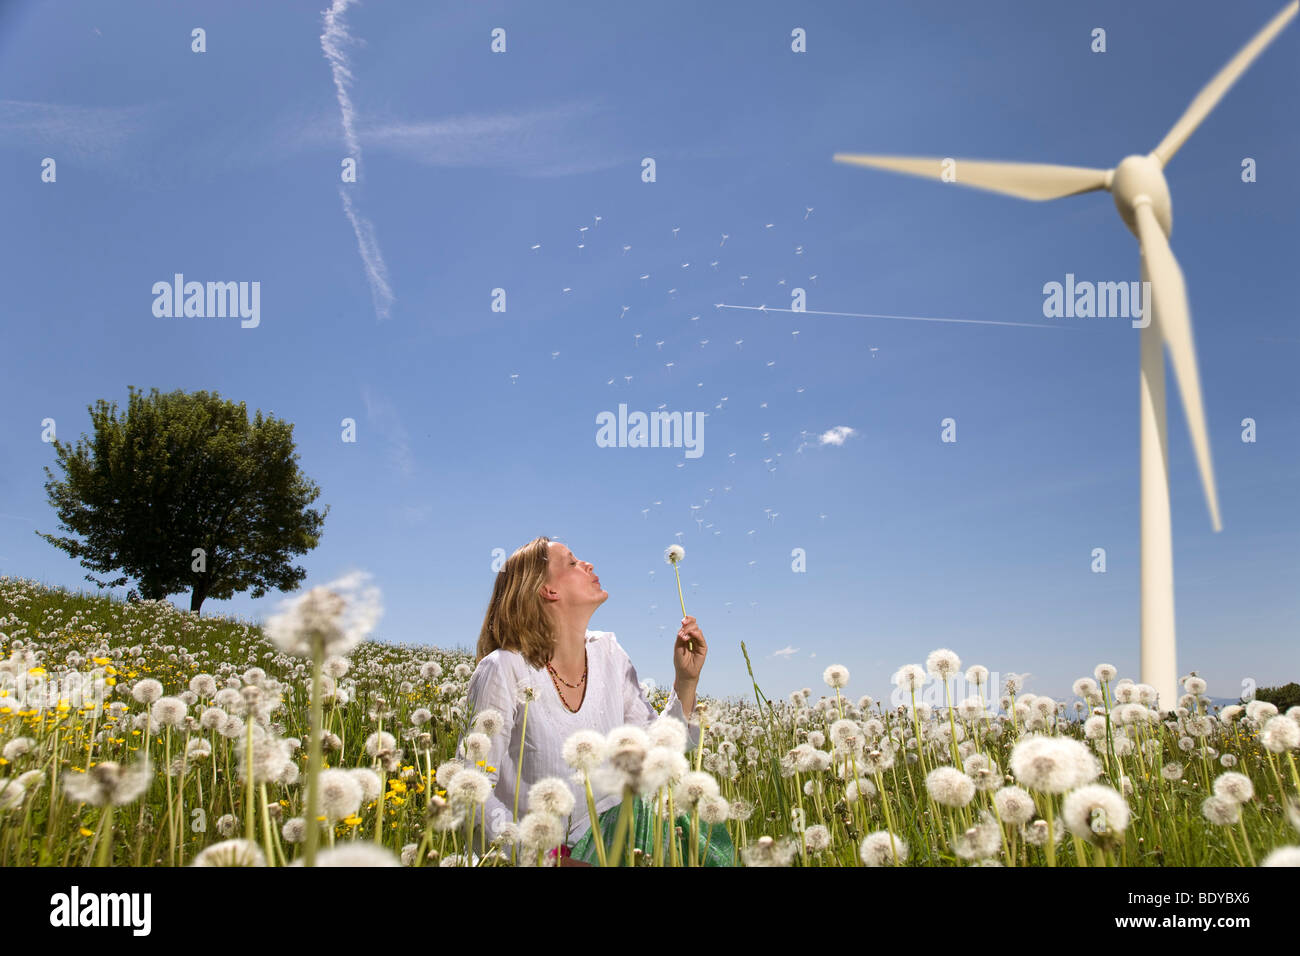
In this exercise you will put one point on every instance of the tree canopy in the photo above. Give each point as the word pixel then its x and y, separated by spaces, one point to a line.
pixel 185 494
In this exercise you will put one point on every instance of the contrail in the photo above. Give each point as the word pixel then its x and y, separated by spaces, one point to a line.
pixel 331 41
pixel 909 318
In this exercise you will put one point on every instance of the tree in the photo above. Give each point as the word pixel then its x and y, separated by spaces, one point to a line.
pixel 1283 697
pixel 184 494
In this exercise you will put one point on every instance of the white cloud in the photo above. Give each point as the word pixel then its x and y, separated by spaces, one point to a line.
pixel 332 41
pixel 90 135
pixel 786 651
pixel 836 435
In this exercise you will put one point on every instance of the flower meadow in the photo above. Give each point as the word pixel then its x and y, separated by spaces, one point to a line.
pixel 135 734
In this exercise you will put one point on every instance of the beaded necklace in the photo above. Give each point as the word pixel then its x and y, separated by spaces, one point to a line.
pixel 556 677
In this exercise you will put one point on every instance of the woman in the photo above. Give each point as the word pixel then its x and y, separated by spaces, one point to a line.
pixel 535 636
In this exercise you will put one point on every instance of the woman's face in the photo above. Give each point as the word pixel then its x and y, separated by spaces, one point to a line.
pixel 572 581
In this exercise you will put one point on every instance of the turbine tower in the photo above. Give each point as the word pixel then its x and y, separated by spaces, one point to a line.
pixel 1142 198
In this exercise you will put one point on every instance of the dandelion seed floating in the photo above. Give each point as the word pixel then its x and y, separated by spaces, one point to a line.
pixel 673 555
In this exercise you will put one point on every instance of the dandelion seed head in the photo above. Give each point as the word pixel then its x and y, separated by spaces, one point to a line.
pixel 540 830
pixel 1015 805
pixel 909 677
pixel 231 853
pixel 1233 786
pixel 880 849
pixel 949 787
pixel 1280 734
pixel 489 722
pixel 1221 811
pixel 817 838
pixel 666 731
pixel 1097 813
pixel 147 691
pixel 836 676
pixel 585 750
pixel 552 795
pixel 339 794
pixel 943 663
pixel 469 787
pixel 1053 764
pixel 1283 856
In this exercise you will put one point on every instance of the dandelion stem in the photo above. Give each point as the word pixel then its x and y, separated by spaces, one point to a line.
pixel 314 753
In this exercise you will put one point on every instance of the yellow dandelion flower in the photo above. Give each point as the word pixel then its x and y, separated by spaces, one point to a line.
pixel 85 832
pixel 351 821
pixel 36 671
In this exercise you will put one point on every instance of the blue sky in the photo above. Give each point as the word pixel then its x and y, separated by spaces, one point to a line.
pixel 376 304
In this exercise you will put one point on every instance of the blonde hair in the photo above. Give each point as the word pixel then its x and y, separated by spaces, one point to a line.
pixel 516 618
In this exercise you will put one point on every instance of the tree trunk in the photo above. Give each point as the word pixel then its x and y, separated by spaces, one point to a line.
pixel 199 594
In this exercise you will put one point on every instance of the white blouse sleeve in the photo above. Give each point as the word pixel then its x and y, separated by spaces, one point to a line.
pixel 491 686
pixel 637 710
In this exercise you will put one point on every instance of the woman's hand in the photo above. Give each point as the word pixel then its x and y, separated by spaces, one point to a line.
pixel 687 662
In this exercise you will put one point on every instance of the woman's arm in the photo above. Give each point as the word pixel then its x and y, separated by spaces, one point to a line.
pixel 637 710
pixel 491 686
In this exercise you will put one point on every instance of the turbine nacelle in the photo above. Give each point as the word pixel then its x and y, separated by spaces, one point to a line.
pixel 1139 180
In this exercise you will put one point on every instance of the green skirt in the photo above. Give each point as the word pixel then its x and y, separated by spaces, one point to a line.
pixel 720 849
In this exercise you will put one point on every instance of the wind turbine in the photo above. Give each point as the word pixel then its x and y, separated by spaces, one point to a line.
pixel 1142 198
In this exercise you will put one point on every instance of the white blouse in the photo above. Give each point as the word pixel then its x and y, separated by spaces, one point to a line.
pixel 613 698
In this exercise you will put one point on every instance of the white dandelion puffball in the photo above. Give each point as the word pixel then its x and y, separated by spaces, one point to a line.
pixel 674 554
pixel 876 849
pixel 666 731
pixel 817 838
pixel 1053 764
pixel 446 770
pixel 978 675
pixel 380 741
pixel 147 690
pixel 231 853
pixel 539 830
pixel 943 663
pixel 949 787
pixel 338 616
pixel 109 783
pixel 662 766
pixel 836 676
pixel 1095 812
pixel 627 735
pixel 909 677
pixel 694 787
pixel 1105 672
pixel 585 750
pixel 1283 856
pixel 339 793
pixel 430 670
pixel 1220 811
pixel 469 788
pixel 355 853
pixel 552 795
pixel 1194 685
pixel 1015 805
pixel 489 721
pixel 477 746
pixel 1234 786
pixel 369 781
pixel 714 809
pixel 1280 734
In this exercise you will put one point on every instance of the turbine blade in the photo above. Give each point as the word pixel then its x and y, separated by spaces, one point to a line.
pixel 1024 180
pixel 1169 307
pixel 1209 97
